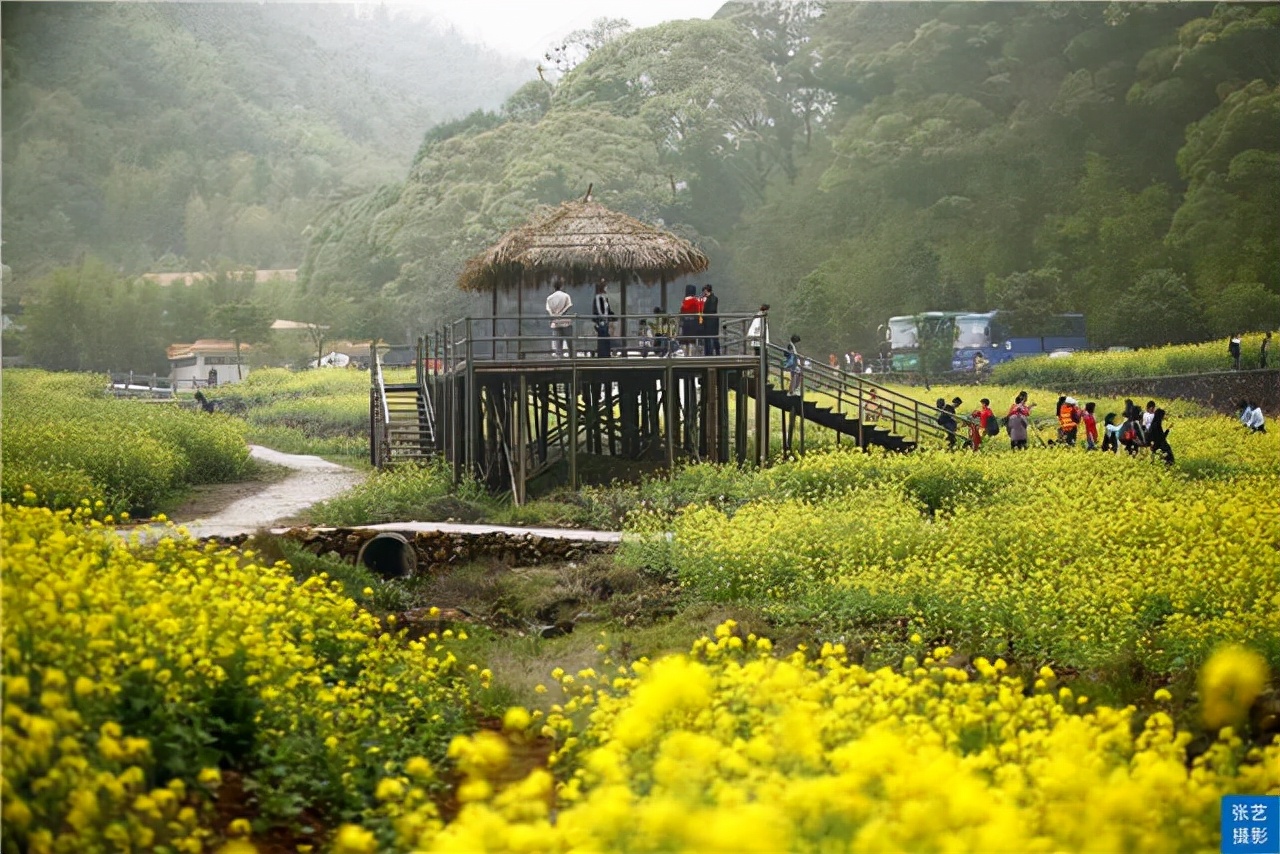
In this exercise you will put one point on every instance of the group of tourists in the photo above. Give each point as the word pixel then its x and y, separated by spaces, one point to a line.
pixel 697 326
pixel 1234 351
pixel 1133 429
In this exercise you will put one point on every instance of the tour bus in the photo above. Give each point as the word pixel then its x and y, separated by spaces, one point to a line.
pixel 903 335
pixel 992 335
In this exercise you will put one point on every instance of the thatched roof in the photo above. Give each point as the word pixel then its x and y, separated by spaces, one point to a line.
pixel 579 241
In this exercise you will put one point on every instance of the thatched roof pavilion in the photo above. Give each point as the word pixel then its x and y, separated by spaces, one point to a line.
pixel 581 241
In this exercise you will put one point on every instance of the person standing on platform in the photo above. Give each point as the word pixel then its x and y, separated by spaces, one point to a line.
pixel 690 318
pixel 758 331
pixel 710 322
pixel 603 317
pixel 558 305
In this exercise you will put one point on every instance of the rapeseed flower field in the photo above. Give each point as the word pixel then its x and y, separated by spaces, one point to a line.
pixel 735 748
pixel 960 609
pixel 135 672
pixel 66 441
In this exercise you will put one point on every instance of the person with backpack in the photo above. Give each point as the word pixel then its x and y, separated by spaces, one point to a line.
pixel 1130 434
pixel 987 422
pixel 1233 350
pixel 1110 433
pixel 793 365
pixel 1090 427
pixel 1068 420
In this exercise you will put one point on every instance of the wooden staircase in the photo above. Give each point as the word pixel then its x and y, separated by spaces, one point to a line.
pixel 902 422
pixel 840 422
pixel 410 431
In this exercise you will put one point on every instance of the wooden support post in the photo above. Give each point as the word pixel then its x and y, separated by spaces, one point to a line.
pixel 711 419
pixel 472 407
pixel 762 400
pixel 522 438
pixel 669 404
pixel 571 402
pixel 740 420
pixel 545 389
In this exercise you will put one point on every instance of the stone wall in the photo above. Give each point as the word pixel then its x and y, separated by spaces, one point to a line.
pixel 437 550
pixel 1220 391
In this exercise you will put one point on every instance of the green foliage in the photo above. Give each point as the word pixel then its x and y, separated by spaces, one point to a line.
pixel 1243 306
pixel 67 443
pixel 844 162
pixel 323 411
pixel 407 492
pixel 194 134
pixel 1159 309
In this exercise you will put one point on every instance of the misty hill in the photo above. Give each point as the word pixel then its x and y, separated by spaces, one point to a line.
pixel 175 134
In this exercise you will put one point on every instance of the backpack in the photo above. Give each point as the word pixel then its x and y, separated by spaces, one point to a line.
pixel 791 362
pixel 993 426
pixel 1127 434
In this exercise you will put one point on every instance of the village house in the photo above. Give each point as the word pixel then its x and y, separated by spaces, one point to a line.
pixel 207 362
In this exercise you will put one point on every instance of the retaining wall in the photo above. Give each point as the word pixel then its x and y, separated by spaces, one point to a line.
pixel 438 550
pixel 1221 391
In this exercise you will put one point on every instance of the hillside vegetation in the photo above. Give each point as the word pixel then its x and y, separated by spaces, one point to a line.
pixel 175 135
pixel 844 162
pixel 851 161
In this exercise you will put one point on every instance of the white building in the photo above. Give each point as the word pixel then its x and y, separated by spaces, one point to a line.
pixel 209 361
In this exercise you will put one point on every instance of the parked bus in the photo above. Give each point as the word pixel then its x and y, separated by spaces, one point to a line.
pixel 905 333
pixel 992 335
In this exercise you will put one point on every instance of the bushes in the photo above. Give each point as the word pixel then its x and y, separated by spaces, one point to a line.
pixel 69 443
pixel 400 494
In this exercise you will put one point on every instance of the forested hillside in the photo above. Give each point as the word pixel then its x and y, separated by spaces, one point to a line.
pixel 181 135
pixel 850 161
pixel 842 161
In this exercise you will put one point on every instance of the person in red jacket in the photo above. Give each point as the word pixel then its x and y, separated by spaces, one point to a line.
pixel 978 427
pixel 690 319
pixel 1090 427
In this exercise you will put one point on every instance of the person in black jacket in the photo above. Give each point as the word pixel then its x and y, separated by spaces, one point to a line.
pixel 947 420
pixel 710 322
pixel 602 317
pixel 1158 438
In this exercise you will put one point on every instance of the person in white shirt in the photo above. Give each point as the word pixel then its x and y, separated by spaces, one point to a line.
pixel 558 305
pixel 1253 417
pixel 1149 415
pixel 759 327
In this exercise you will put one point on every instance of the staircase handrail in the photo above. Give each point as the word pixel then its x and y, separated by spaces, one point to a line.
pixel 895 407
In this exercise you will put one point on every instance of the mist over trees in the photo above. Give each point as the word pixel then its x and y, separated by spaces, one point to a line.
pixel 843 161
pixel 861 160
pixel 175 136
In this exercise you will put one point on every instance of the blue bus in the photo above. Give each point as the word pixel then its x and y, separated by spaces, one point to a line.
pixel 997 339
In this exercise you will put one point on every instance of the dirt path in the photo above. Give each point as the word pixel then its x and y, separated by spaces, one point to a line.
pixel 246 507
